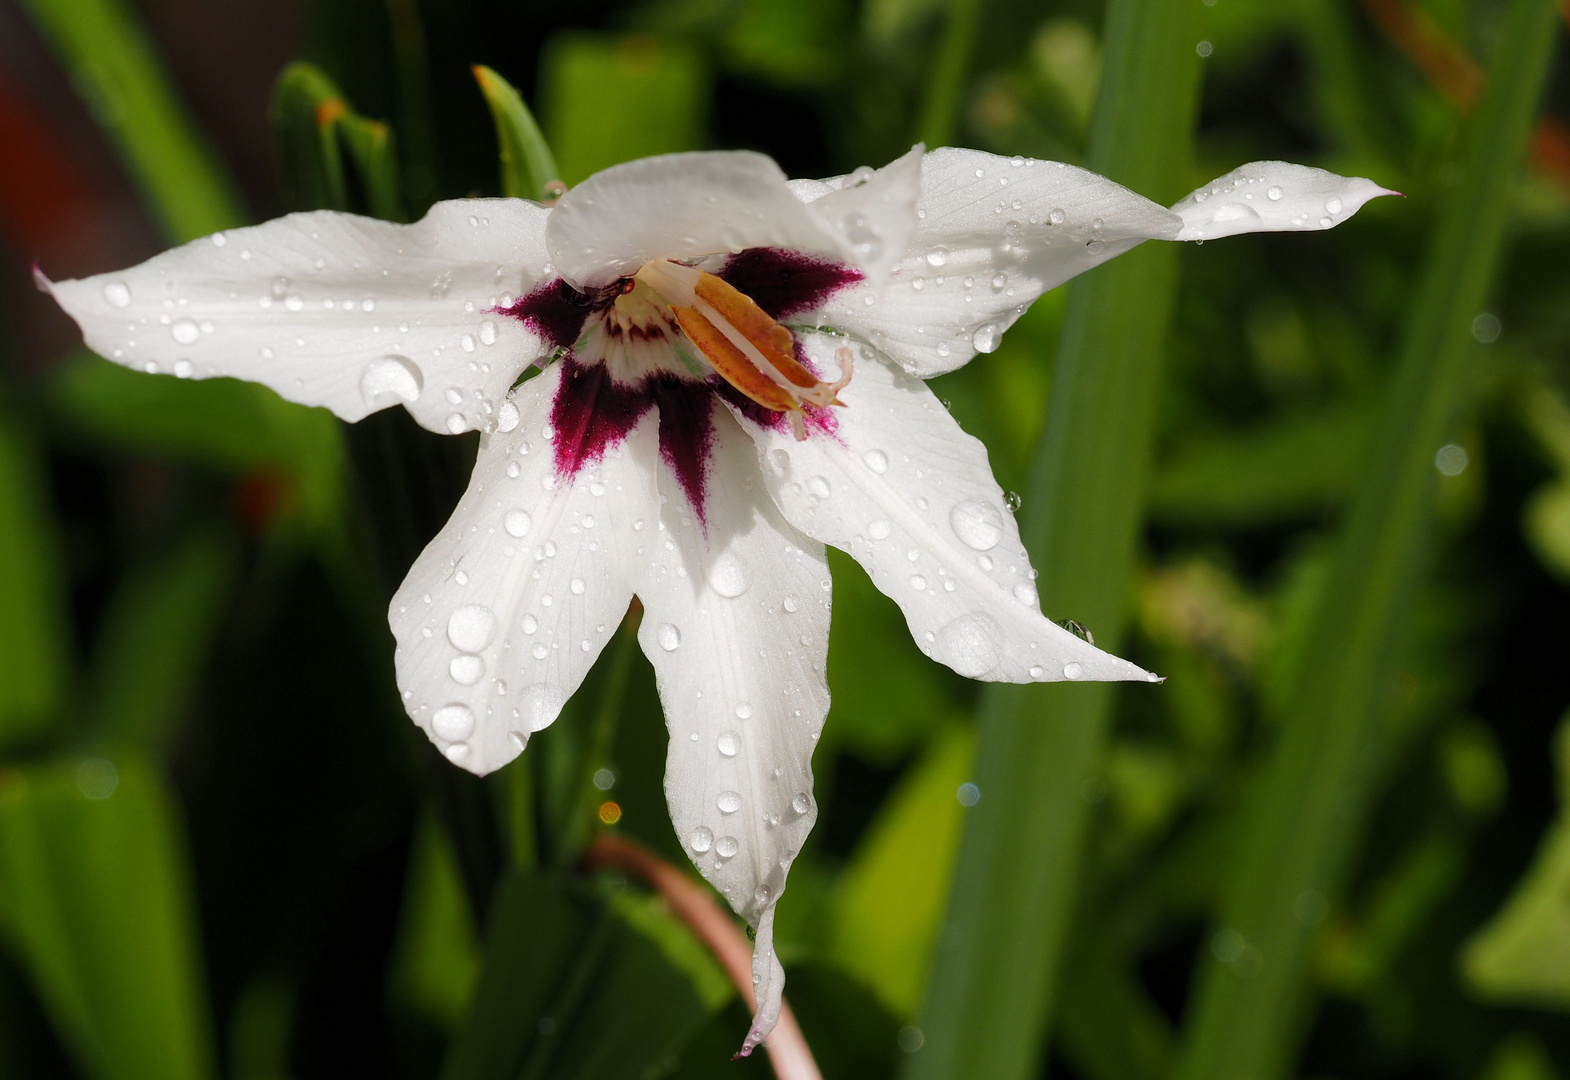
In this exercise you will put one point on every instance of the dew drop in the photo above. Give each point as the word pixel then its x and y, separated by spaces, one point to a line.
pixel 1025 593
pixel 726 847
pixel 728 744
pixel 819 486
pixel 488 332
pixel 183 369
pixel 935 258
pixel 1095 247
pixel 540 704
pixel 999 280
pixel 453 722
pixel 391 376
pixel 1333 205
pixel 467 341
pixel 790 602
pixel 669 637
pixel 118 293
pixel 970 644
pixel 1072 671
pixel 293 302
pixel 456 423
pixel 979 525
pixel 1012 501
pixel 728 575
pixel 701 839
pixel 471 627
pixel 918 582
pixel 507 417
pixel 540 652
pixel 516 522
pixel 801 803
pixel 986 338
pixel 744 711
pixel 577 586
pixel 1057 216
pixel 1274 194
pixel 878 530
pixel 466 669
pixel 877 461
pixel 457 752
pixel 185 332
pixel 728 801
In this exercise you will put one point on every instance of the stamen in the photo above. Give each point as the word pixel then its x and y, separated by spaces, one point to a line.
pixel 747 347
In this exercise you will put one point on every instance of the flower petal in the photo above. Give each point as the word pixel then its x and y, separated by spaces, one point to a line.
pixel 911 497
pixel 736 624
pixel 993 234
pixel 874 214
pixel 507 608
pixel 678 206
pixel 334 309
pixel 1273 196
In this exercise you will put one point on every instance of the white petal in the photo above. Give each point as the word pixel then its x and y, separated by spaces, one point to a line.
pixel 737 627
pixel 508 607
pixel 874 214
pixel 993 234
pixel 334 309
pixel 1273 196
pixel 678 206
pixel 908 494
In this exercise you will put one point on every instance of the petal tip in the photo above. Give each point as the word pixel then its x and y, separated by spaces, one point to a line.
pixel 41 280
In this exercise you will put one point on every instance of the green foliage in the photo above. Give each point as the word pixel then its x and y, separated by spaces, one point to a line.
pixel 528 169
pixel 33 663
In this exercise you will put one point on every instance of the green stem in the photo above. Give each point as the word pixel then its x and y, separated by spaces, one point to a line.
pixel 990 998
pixel 1301 818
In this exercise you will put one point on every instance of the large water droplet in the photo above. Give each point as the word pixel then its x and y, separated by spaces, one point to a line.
pixel 185 332
pixel 1072 671
pixel 986 338
pixel 517 523
pixel 1333 205
pixel 507 417
pixel 877 461
pixel 456 423
pixel 466 669
pixel 118 293
pixel 744 711
pixel 1057 216
pixel 801 803
pixel 488 332
pixel 1025 593
pixel 819 486
pixel 471 627
pixel 918 582
pixel 701 839
pixel 728 575
pixel 453 722
pixel 937 257
pixel 577 586
pixel 790 602
pixel 729 802
pixel 979 525
pixel 726 847
pixel 729 743
pixel 391 376
pixel 1274 194
pixel 1095 247
pixel 540 704
pixel 669 637
pixel 530 624
pixel 970 644
pixel 878 530
pixel 183 369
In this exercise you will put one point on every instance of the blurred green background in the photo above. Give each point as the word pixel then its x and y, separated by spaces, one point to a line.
pixel 1320 481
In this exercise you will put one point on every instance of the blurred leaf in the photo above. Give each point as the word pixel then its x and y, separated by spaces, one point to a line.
pixel 313 125
pixel 1014 885
pixel 156 637
pixel 115 66
pixel 1295 466
pixel 886 20
pixel 260 1030
pixel 888 901
pixel 1521 1057
pixel 436 960
pixel 32 598
pixel 651 917
pixel 1523 954
pixel 528 170
pixel 607 100
pixel 948 74
pixel 1245 1018
pixel 95 897
pixel 791 42
pixel 1547 517
pixel 569 989
pixel 1110 1028
pixel 850 1032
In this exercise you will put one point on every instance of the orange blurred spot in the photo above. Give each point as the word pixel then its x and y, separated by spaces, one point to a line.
pixel 610 812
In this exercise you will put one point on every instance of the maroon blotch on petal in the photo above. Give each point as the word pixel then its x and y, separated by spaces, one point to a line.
pixel 592 413
pixel 686 434
pixel 785 283
pixel 555 310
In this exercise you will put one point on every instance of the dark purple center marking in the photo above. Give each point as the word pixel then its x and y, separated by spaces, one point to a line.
pixel 592 412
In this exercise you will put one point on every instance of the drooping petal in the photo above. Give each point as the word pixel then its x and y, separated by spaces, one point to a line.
pixel 1273 196
pixel 736 623
pixel 911 497
pixel 993 234
pixel 874 214
pixel 679 206
pixel 333 309
pixel 507 608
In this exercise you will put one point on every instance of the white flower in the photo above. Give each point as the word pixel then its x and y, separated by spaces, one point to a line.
pixel 696 317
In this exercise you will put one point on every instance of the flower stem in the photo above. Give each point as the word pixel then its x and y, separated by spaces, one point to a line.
pixel 695 905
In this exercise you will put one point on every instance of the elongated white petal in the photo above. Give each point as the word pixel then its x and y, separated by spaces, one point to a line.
pixel 874 214
pixel 736 623
pixel 908 494
pixel 679 206
pixel 1273 196
pixel 337 310
pixel 505 611
pixel 993 234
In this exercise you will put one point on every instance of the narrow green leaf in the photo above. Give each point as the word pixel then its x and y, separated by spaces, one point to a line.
pixel 115 66
pixel 607 99
pixel 372 149
pixel 436 960
pixel 528 168
pixel 156 638
pixel 1111 1030
pixel 1301 817
pixel 33 662
pixel 1014 885
pixel 95 897
pixel 570 990
pixel 950 74
pixel 304 111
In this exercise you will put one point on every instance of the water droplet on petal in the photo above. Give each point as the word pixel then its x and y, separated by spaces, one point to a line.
pixel 457 752
pixel 986 338
pixel 701 839
pixel 729 802
pixel 183 369
pixel 1072 671
pixel 466 669
pixel 456 423
pixel 1057 216
pixel 577 586
pixel 517 523
pixel 819 486
pixel 728 575
pixel 729 743
pixel 878 530
pixel 1025 593
pixel 185 332
pixel 979 525
pixel 488 332
pixel 744 711
pixel 1274 194
pixel 970 644
pixel 936 257
pixel 726 847
pixel 801 803
pixel 669 637
pixel 1095 247
pixel 394 376
pixel 540 704
pixel 507 417
pixel 1012 501
pixel 471 627
pixel 1333 205
pixel 453 722
pixel 790 602
pixel 918 582
pixel 118 293
pixel 877 461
